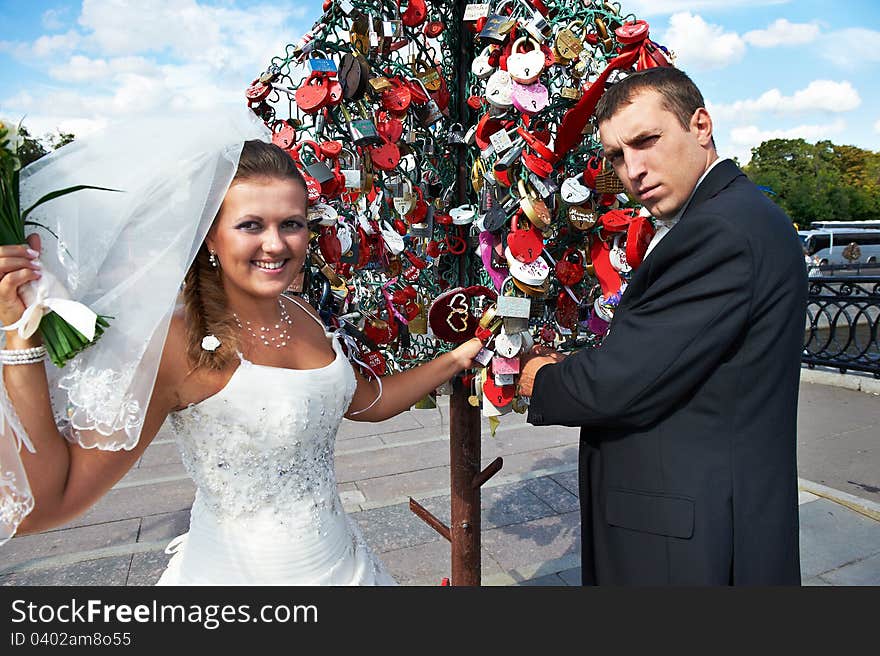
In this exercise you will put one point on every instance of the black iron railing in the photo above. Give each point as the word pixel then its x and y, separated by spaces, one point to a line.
pixel 843 316
pixel 847 270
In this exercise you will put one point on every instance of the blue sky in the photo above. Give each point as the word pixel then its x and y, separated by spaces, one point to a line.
pixel 768 68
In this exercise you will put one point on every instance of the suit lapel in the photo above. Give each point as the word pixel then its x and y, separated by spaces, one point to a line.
pixel 722 175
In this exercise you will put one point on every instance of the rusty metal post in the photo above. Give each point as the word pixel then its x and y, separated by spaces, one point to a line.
pixel 464 451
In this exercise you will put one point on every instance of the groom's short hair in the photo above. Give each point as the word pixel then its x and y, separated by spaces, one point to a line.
pixel 680 96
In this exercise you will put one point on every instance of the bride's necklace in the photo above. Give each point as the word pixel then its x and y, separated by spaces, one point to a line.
pixel 269 336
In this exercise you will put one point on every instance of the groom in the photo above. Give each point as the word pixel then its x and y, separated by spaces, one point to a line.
pixel 688 409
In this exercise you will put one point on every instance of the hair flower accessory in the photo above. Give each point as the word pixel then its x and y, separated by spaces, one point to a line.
pixel 210 343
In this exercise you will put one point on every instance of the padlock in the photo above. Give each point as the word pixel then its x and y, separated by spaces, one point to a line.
pixel 318 169
pixel 415 14
pixel 530 98
pixel 524 245
pixel 533 207
pixel 363 132
pixel 499 89
pixel 350 169
pixel 570 267
pixel 455 136
pixel 497 26
pixel 313 94
pixel 429 113
pixel 574 191
pixel 481 66
pixel 321 64
pixel 569 44
pixel 525 67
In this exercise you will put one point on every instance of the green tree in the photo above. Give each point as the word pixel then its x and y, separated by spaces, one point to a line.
pixel 821 181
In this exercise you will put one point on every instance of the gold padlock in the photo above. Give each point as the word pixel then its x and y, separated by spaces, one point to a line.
pixel 567 43
pixel 582 217
pixel 477 171
pixel 607 43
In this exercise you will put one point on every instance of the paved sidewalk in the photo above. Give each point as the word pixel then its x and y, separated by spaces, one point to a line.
pixel 531 529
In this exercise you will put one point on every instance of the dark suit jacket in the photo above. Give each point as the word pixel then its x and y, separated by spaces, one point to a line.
pixel 688 409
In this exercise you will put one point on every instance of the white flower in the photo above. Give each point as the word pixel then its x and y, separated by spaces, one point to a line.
pixel 12 138
pixel 210 343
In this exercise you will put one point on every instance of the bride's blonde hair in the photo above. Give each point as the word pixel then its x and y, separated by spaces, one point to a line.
pixel 206 307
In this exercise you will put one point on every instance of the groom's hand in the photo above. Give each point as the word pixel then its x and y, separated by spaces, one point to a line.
pixel 530 363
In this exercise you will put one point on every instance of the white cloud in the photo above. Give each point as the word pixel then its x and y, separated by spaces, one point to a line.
pixel 746 137
pixel 699 45
pixel 80 68
pixel 853 47
pixel 818 96
pixel 55 44
pixel 54 19
pixel 782 33
pixel 877 126
pixel 642 8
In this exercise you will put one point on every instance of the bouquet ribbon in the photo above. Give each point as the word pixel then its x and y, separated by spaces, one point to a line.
pixel 48 295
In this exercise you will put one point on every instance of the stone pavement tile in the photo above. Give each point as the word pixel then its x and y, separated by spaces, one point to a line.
pixel 102 571
pixel 133 502
pixel 507 504
pixel 25 548
pixel 147 475
pixel 571 576
pixel 389 461
pixel 393 527
pixel 849 462
pixel 852 410
pixel 160 454
pixel 550 580
pixel 422 435
pixel 832 536
pixel 535 541
pixel 350 429
pixel 568 480
pixel 538 460
pixel 553 494
pixel 400 486
pixel 527 438
pixel 428 563
pixel 862 572
pixel 359 444
pixel 164 526
pixel 806 497
pixel 147 567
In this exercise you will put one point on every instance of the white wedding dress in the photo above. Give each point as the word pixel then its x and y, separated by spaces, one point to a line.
pixel 267 510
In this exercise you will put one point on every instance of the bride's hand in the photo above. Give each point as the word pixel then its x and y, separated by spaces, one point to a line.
pixel 466 352
pixel 17 267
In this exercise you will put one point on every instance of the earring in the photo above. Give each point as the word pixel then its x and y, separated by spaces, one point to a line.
pixel 213 259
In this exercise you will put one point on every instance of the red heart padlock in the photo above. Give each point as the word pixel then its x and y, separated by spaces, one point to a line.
pixel 389 127
pixel 433 29
pixel 537 165
pixel 592 169
pixel 609 278
pixel 399 226
pixel 385 156
pixel 283 134
pixel 376 362
pixel 638 237
pixel 365 248
pixel 334 91
pixel 313 93
pixel 566 310
pixel 257 91
pixel 398 98
pixel 328 244
pixel 331 149
pixel 433 249
pixel 380 332
pixel 570 267
pixel 415 14
pixel 418 94
pixel 632 32
pixel 525 245
pixel 411 310
pixel 498 395
pixel 617 220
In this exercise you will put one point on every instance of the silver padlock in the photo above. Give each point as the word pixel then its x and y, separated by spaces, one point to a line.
pixel 350 169
pixel 454 136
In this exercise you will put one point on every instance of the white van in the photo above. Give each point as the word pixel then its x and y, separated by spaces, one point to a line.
pixel 825 246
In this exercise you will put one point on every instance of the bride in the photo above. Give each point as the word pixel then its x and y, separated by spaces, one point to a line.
pixel 252 385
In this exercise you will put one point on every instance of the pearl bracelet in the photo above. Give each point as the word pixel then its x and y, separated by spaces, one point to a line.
pixel 23 356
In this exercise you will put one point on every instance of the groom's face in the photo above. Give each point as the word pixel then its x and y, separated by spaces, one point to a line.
pixel 658 160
